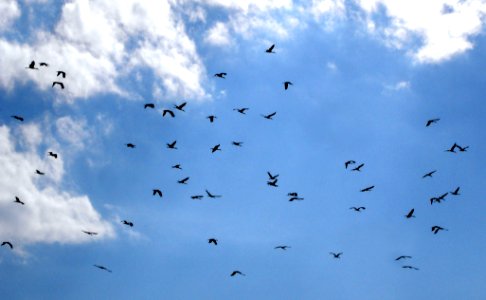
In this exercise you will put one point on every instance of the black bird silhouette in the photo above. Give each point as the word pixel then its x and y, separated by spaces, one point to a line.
pixel 32 66
pixel 52 154
pixel 436 229
pixel 62 73
pixel 90 232
pixel 211 195
pixel 168 111
pixel 44 64
pixel 273 177
pixel 403 257
pixel 102 268
pixel 130 145
pixel 17 200
pixel 286 84
pixel 18 118
pixel 156 192
pixel 8 244
pixel 432 121
pixel 178 166
pixel 273 183
pixel 39 172
pixel 197 197
pixel 282 247
pixel 180 106
pixel 462 149
pixel 269 116
pixel 172 145
pixel 358 209
pixel 221 75
pixel 241 110
pixel 295 198
pixel 211 118
pixel 429 174
pixel 368 189
pixel 128 223
pixel 410 214
pixel 148 105
pixel 456 192
pixel 410 267
pixel 237 273
pixel 453 147
pixel 291 194
pixel 58 83
pixel 214 241
pixel 183 181
pixel 270 50
pixel 336 255
pixel 358 168
pixel 349 162
pixel 216 148
pixel 438 199
pixel 237 144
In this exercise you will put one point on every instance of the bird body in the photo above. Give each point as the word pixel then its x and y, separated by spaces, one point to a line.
pixel 169 112
pixel 130 145
pixel 368 189
pixel 216 148
pixel 58 83
pixel 180 106
pixel 157 192
pixel 52 154
pixel 358 209
pixel 270 49
pixel 336 255
pixel 221 75
pixel 17 200
pixel 172 145
pixel 6 243
pixel 213 241
pixel 269 116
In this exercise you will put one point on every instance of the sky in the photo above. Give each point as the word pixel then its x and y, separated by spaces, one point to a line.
pixel 366 77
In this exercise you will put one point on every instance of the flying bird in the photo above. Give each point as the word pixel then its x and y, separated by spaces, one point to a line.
pixel 336 255
pixel 282 247
pixel 102 268
pixel 211 118
pixel 429 174
pixel 456 192
pixel 130 145
pixel 197 197
pixel 216 148
pixel 183 181
pixel 269 116
pixel 62 73
pixel 462 149
pixel 214 241
pixel 286 84
pixel 438 199
pixel 237 144
pixel 410 214
pixel 349 162
pixel 211 195
pixel 358 209
pixel 178 166
pixel 403 257
pixel 58 83
pixel 17 200
pixel 273 177
pixel 410 267
pixel 52 154
pixel 432 121
pixel 295 198
pixel 273 183
pixel 168 111
pixel 291 194
pixel 270 50
pixel 148 105
pixel 8 244
pixel 451 149
pixel 220 75
pixel 180 106
pixel 241 110
pixel 172 145
pixel 157 192
pixel 368 189
pixel 128 223
pixel 436 229
pixel 358 168
pixel 18 118
pixel 237 273
pixel 39 172
pixel 32 66
pixel 44 64
pixel 90 232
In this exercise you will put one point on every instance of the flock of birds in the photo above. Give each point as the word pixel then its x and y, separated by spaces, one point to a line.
pixel 272 178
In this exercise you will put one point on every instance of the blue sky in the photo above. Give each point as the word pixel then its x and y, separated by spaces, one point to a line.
pixel 367 75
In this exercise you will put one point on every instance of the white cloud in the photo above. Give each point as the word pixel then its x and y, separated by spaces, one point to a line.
pixel 401 85
pixel 331 66
pixel 218 35
pixel 49 214
pixel 9 10
pixel 73 131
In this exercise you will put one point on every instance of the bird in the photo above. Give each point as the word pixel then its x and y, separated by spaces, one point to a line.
pixel 456 192
pixel 410 214
pixel 18 118
pixel 8 244
pixel 62 73
pixel 183 181
pixel 451 149
pixel 269 116
pixel 213 240
pixel 128 223
pixel 270 49
pixel 358 168
pixel 295 198
pixel 172 145
pixel 241 110
pixel 273 177
pixel 336 255
pixel 358 209
pixel 102 268
pixel 180 106
pixel 39 172
pixel 429 174
pixel 44 64
pixel 436 229
pixel 237 144
pixel 178 166
pixel 58 83
pixel 52 154
pixel 197 197
pixel 431 121
pixel 168 111
pixel 157 192
pixel 211 195
pixel 438 199
pixel 368 189
pixel 90 232
pixel 410 267
pixel 221 75
pixel 148 105
pixel 349 162
pixel 130 145
pixel 17 200
pixel 237 273
pixel 211 118
pixel 291 194
pixel 273 183
pixel 32 66
pixel 216 148
pixel 282 247
pixel 462 149
pixel 286 84
pixel 403 257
